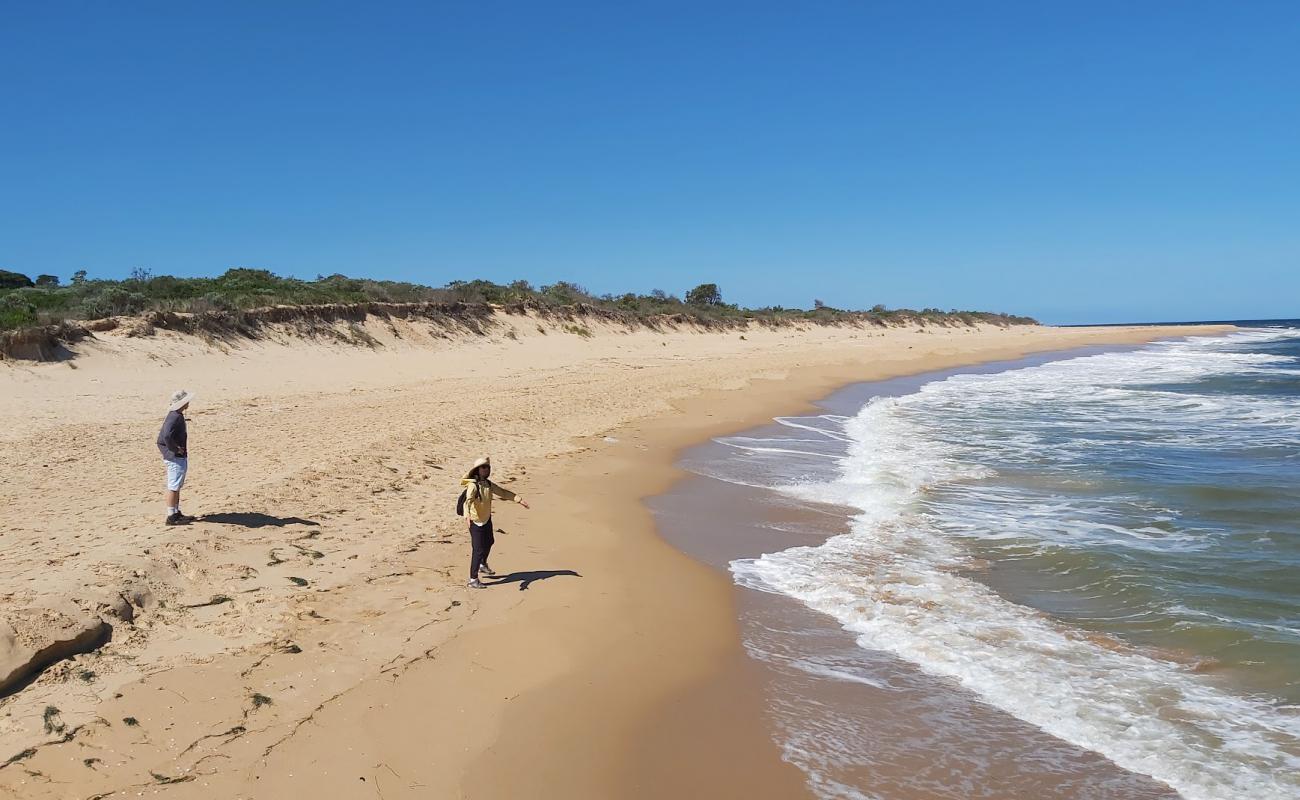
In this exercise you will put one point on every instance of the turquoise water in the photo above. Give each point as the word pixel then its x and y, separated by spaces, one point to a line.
pixel 1107 547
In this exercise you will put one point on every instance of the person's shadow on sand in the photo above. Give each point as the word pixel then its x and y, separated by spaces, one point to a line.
pixel 524 579
pixel 252 519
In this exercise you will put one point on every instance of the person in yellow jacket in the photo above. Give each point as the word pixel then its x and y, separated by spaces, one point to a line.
pixel 479 491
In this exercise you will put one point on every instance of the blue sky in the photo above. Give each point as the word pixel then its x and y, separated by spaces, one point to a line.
pixel 1088 161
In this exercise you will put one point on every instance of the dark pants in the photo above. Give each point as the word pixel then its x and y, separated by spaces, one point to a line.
pixel 480 536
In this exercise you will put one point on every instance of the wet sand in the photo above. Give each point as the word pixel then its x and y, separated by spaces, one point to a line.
pixel 868 720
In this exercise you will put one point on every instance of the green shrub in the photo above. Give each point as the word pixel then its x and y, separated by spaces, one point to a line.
pixel 166 287
pixel 39 299
pixel 113 301
pixel 564 293
pixel 15 313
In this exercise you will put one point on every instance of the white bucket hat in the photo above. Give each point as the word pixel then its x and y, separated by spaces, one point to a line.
pixel 180 399
pixel 481 462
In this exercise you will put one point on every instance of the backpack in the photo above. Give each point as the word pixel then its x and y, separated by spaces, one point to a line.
pixel 460 503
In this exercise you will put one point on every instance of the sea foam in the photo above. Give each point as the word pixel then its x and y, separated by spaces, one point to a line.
pixel 915 475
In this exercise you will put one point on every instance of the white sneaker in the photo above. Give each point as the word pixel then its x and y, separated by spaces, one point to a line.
pixel 474 584
pixel 488 571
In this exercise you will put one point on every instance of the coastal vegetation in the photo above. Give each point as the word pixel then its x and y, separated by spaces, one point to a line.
pixel 27 302
pixel 39 315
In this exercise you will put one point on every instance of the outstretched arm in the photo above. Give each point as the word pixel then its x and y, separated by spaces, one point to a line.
pixel 506 494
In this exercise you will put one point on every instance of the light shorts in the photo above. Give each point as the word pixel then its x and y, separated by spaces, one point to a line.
pixel 176 469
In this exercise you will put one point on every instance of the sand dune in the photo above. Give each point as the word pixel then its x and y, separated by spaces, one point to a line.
pixel 329 562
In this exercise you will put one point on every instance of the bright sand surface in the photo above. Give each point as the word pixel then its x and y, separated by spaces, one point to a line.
pixel 315 637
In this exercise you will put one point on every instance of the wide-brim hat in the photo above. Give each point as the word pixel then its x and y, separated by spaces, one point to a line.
pixel 483 461
pixel 179 400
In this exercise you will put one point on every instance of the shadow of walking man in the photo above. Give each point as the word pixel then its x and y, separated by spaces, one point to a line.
pixel 253 519
pixel 524 579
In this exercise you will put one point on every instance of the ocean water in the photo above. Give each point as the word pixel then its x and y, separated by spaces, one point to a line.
pixel 1105 547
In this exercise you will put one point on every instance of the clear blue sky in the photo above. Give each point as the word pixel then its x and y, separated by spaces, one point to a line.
pixel 1086 161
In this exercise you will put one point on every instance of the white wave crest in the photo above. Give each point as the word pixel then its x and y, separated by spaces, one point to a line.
pixel 892 579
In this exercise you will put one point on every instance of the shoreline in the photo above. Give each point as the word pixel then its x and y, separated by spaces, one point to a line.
pixel 585 684
pixel 890 729
pixel 669 739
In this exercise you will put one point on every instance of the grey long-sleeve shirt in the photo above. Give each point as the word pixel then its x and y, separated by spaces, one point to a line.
pixel 172 439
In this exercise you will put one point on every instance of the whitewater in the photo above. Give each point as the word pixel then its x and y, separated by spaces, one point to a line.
pixel 1147 498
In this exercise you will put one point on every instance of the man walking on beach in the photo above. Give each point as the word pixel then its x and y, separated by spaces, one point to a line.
pixel 478 510
pixel 173 443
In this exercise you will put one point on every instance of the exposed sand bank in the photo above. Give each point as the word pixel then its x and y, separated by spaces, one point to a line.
pixel 317 638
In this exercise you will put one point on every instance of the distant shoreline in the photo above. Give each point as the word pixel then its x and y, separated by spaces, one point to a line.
pixel 1240 323
pixel 716 521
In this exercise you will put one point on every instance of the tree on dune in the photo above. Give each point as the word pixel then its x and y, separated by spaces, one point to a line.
pixel 13 280
pixel 706 294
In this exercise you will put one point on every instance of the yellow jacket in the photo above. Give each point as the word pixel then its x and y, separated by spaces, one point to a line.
pixel 478 499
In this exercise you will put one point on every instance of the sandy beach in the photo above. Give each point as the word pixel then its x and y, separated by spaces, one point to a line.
pixel 311 635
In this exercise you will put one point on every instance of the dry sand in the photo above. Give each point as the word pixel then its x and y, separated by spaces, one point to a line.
pixel 315 638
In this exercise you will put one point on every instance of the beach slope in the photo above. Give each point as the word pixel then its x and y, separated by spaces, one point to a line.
pixel 311 634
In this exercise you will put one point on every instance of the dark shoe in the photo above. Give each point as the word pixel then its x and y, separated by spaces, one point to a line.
pixel 176 519
pixel 486 570
pixel 186 518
